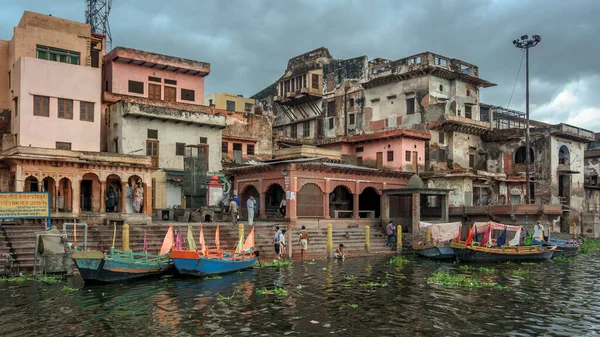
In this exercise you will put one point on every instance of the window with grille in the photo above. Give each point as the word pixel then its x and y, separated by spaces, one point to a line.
pixel 306 129
pixel 154 79
pixel 407 156
pixel 410 106
pixel 189 95
pixel 230 105
pixel 331 123
pixel 468 111
pixel 352 119
pixel 58 55
pixel 248 107
pixel 441 140
pixel 173 82
pixel 41 106
pixel 224 147
pixel 86 111
pixel 65 108
pixel 390 156
pixel 63 146
pixel 250 149
pixel 179 149
pixel 203 140
pixel 331 108
pixel 152 134
pixel 315 81
pixel 359 149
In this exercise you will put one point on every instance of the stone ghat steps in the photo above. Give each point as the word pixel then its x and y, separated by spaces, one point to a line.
pixel 19 241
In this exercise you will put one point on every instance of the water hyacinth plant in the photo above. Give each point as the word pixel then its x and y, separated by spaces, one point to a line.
pixel 374 284
pixel 590 246
pixel 225 298
pixel 50 279
pixel 487 270
pixel 349 278
pixel 466 267
pixel 66 289
pixel 521 272
pixel 353 306
pixel 461 281
pixel 398 260
pixel 276 291
pixel 213 277
pixel 275 263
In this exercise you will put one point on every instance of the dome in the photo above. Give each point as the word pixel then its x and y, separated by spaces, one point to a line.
pixel 415 182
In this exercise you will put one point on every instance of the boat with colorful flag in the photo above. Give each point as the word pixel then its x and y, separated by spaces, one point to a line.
pixel 122 264
pixel 498 250
pixel 202 261
pixel 565 248
pixel 437 241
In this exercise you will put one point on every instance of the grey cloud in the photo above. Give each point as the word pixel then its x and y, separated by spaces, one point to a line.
pixel 248 43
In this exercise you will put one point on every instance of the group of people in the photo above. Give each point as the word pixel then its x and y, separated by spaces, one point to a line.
pixel 279 242
pixel 234 209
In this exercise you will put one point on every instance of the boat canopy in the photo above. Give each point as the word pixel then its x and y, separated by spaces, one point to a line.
pixel 442 232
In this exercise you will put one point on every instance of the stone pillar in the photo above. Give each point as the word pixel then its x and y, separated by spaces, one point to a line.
pixel 20 180
pixel 326 205
pixel 123 197
pixel 291 205
pixel 385 209
pixel 55 199
pixel 445 208
pixel 355 206
pixel 262 207
pixel 76 195
pixel 416 212
pixel 102 197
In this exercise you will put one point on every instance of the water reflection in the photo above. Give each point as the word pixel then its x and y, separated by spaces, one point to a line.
pixel 552 299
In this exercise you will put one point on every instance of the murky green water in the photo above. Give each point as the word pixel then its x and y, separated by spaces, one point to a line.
pixel 325 298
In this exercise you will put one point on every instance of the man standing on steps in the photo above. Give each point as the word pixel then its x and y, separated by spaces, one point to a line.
pixel 233 211
pixel 251 204
pixel 276 241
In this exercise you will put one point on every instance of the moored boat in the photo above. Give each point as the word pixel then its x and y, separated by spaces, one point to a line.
pixel 437 242
pixel 206 262
pixel 499 250
pixel 122 265
pixel 565 248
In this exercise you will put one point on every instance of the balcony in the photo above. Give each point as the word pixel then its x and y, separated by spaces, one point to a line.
pixel 450 123
pixel 520 168
pixel 299 96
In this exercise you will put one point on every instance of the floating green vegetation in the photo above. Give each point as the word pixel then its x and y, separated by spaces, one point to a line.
pixel 276 291
pixel 276 263
pixel 528 263
pixel 353 306
pixel 521 272
pixel 66 289
pixel 590 246
pixel 225 298
pixel 310 262
pixel 50 279
pixel 349 278
pixel 466 267
pixel 398 260
pixel 299 287
pixel 563 259
pixel 487 270
pixel 462 281
pixel 213 277
pixel 374 285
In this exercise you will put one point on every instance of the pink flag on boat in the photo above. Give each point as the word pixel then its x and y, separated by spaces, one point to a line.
pixel 202 242
pixel 167 242
pixel 217 240
pixel 179 241
pixel 145 243
pixel 486 237
pixel 249 240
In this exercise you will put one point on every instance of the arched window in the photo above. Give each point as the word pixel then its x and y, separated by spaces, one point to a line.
pixel 564 155
pixel 519 156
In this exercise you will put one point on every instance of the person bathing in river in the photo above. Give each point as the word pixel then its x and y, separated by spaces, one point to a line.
pixel 303 240
pixel 339 252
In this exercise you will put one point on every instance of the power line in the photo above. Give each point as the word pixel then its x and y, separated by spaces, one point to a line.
pixel 516 80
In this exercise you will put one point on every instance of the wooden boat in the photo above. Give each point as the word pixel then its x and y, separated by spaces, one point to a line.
pixel 122 265
pixel 565 248
pixel 206 262
pixel 437 242
pixel 500 250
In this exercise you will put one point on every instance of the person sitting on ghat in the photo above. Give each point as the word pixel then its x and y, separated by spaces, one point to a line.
pixel 339 252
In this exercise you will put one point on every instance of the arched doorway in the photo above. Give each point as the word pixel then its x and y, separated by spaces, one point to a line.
pixel 90 193
pixel 249 191
pixel 273 197
pixel 369 200
pixel 31 184
pixel 113 193
pixel 340 202
pixel 49 185
pixel 310 201
pixel 65 195
pixel 564 155
pixel 520 155
pixel 134 195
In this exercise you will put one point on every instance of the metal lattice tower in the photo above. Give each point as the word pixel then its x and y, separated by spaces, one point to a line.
pixel 96 15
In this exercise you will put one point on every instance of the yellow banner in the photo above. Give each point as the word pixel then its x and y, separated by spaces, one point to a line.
pixel 20 205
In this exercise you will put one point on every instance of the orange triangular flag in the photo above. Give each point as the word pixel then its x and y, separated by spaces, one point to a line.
pixel 202 242
pixel 217 240
pixel 249 240
pixel 167 242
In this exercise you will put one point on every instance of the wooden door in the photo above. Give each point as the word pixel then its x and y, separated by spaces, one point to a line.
pixel 152 151
pixel 237 153
pixel 415 161
pixel 154 91
pixel 379 160
pixel 170 94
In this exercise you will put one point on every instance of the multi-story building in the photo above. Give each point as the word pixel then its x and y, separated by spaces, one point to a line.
pixel 52 123
pixel 230 102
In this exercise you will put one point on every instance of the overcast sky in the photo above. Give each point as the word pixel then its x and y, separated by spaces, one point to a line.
pixel 248 43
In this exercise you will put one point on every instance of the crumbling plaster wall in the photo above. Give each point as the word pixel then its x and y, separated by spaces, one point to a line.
pixel 253 126
pixel 436 159
pixel 461 146
pixel 591 168
pixel 389 100
pixel 460 187
pixel 577 193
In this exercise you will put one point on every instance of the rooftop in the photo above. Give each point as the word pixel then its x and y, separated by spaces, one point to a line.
pixel 158 61
pixel 105 158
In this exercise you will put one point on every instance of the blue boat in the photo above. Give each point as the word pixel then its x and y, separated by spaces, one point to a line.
pixel 207 262
pixel 565 248
pixel 439 252
pixel 437 241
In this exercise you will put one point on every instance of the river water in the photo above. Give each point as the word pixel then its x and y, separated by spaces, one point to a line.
pixel 325 298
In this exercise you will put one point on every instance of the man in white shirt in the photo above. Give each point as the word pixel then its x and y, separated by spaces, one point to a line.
pixel 282 244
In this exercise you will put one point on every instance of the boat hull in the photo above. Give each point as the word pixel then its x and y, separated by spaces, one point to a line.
pixel 565 252
pixel 478 254
pixel 94 267
pixel 192 263
pixel 436 252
